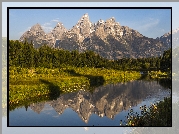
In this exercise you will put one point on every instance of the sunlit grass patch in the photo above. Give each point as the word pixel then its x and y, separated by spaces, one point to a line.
pixel 37 82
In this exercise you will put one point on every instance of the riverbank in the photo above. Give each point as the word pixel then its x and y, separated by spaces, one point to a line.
pixel 159 74
pixel 29 84
pixel 159 114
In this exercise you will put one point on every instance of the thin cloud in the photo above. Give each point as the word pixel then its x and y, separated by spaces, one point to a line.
pixel 47 24
pixel 147 25
pixel 47 27
pixel 55 20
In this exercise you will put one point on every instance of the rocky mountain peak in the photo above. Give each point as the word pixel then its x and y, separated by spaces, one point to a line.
pixel 58 31
pixel 165 39
pixel 109 26
pixel 100 22
pixel 111 20
pixel 107 38
pixel 85 16
pixel 36 27
pixel 36 32
pixel 59 25
pixel 83 27
pixel 84 19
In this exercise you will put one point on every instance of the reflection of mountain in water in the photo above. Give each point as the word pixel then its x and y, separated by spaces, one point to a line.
pixel 37 107
pixel 104 101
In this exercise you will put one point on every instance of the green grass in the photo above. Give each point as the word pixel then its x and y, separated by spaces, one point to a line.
pixel 159 74
pixel 26 84
pixel 17 73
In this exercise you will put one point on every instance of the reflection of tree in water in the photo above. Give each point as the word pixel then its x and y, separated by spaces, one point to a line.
pixel 106 100
pixel 167 83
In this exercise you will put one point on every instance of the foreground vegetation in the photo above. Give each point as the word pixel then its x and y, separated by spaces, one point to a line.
pixel 159 114
pixel 26 84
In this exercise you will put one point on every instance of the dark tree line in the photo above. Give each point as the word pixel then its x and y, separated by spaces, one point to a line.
pixel 25 55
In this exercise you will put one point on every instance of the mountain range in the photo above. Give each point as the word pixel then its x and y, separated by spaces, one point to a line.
pixel 107 38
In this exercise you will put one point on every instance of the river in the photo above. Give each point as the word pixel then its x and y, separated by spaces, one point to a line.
pixel 104 106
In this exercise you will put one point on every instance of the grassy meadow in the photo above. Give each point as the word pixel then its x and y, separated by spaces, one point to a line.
pixel 27 85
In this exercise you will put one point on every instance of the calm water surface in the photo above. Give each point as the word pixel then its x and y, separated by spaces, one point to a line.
pixel 105 106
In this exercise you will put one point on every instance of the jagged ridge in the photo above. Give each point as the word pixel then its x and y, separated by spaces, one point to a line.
pixel 108 38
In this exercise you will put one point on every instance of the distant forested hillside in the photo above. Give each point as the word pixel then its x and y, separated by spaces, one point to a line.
pixel 23 54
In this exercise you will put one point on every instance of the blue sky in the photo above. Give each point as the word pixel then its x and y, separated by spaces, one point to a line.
pixel 149 22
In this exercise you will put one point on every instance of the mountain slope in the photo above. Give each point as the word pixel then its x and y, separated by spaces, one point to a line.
pixel 108 38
